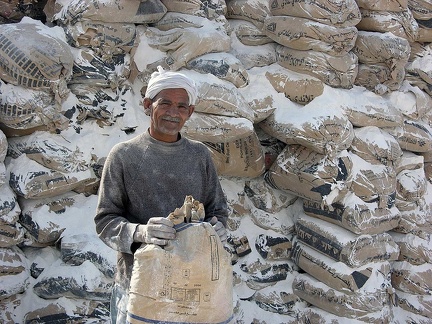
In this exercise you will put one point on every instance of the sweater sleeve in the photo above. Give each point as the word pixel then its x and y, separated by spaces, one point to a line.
pixel 112 226
pixel 217 204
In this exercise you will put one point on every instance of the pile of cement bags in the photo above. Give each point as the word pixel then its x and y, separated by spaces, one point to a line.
pixel 317 115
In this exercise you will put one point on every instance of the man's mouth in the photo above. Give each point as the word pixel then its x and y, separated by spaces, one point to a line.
pixel 171 119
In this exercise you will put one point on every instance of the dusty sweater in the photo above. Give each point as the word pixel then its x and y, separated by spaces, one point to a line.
pixel 144 178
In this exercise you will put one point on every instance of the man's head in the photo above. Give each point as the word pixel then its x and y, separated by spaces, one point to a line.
pixel 170 97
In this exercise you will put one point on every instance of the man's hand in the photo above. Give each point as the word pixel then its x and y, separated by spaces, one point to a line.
pixel 159 230
pixel 219 228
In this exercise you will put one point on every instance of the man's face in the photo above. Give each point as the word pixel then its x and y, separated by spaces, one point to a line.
pixel 169 110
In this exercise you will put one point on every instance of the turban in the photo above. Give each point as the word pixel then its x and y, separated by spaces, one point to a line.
pixel 161 80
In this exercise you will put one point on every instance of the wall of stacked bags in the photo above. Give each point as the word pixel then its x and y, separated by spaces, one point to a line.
pixel 317 115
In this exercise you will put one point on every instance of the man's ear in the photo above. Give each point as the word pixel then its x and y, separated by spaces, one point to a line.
pixel 191 109
pixel 147 104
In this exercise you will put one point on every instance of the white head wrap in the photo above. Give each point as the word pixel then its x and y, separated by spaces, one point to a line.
pixel 162 80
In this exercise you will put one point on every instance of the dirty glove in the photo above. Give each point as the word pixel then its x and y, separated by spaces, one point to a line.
pixel 219 229
pixel 159 230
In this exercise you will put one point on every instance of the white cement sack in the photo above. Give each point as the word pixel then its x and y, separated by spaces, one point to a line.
pixel 385 51
pixel 342 245
pixel 321 127
pixel 48 219
pixel 173 20
pixel 409 161
pixel 373 182
pixel 123 11
pixel 419 67
pixel 25 108
pixel 14 272
pixel 402 316
pixel 356 305
pixel 77 309
pixel 82 281
pixel 379 78
pixel 9 207
pixel 263 103
pixel 311 175
pixel 297 87
pixel 410 278
pixel 265 274
pixel 78 248
pixel 413 249
pixel 267 198
pixel 305 34
pixel 185 44
pixel 400 23
pixel 415 218
pixel 225 66
pixel 417 304
pixel 252 11
pixel 316 315
pixel 36 56
pixel 355 215
pixel 281 222
pixel 366 279
pixel 107 40
pixel 247 33
pixel 414 136
pixel 216 129
pixel 240 158
pixel 189 280
pixel 411 101
pixel 90 69
pixel 253 55
pixel 372 144
pixel 334 13
pixel 49 150
pixel 29 179
pixel 421 9
pixel 335 71
pixel 383 5
pixel 372 110
pixel 279 298
pixel 220 97
pixel 411 185
pixel 209 9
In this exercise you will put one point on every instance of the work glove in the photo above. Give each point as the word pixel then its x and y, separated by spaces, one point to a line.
pixel 219 229
pixel 159 230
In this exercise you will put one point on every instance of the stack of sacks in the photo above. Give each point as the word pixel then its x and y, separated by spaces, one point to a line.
pixel 345 173
pixel 386 30
pixel 37 64
pixel 47 180
pixel 14 268
pixel 101 49
pixel 316 38
pixel 249 43
pixel 418 69
pixel 411 273
pixel 260 229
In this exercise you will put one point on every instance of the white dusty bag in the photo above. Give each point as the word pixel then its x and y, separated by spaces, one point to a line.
pixel 187 281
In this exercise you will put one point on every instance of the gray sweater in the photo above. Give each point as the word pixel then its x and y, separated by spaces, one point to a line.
pixel 144 178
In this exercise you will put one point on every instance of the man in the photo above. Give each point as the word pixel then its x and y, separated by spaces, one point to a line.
pixel 147 177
